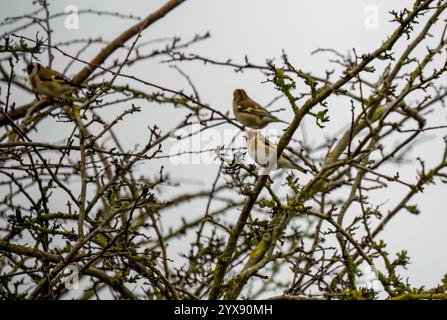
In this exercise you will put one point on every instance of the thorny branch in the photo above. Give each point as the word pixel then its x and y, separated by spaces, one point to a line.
pixel 91 200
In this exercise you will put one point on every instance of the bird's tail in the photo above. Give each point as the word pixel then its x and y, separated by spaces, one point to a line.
pixel 279 120
pixel 77 85
pixel 297 167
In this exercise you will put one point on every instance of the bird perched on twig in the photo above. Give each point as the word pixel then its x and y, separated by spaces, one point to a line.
pixel 250 113
pixel 49 82
pixel 262 151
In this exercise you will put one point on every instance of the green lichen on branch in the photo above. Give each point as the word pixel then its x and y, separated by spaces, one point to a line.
pixel 18 47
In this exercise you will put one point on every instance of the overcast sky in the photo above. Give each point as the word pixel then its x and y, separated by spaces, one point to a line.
pixel 260 29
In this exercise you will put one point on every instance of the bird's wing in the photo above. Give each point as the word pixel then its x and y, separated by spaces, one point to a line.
pixel 270 146
pixel 61 79
pixel 251 107
pixel 54 76
pixel 46 74
pixel 268 143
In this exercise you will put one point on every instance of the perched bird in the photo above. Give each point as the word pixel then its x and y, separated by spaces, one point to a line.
pixel 261 150
pixel 49 82
pixel 250 113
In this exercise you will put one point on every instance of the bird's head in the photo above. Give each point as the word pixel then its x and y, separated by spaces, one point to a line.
pixel 32 68
pixel 239 94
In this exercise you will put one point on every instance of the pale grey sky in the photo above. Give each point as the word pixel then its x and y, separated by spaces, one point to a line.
pixel 260 29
